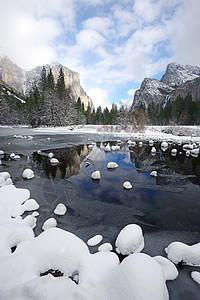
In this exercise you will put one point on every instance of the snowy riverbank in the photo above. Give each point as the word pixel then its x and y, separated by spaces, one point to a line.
pixel 25 256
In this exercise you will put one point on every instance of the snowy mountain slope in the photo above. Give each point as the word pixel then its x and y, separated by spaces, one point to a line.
pixel 23 80
pixel 160 91
pixel 177 74
pixel 151 90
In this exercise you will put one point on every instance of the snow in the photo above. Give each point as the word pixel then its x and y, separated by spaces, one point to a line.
pixel 95 240
pixel 60 209
pixel 54 161
pixel 95 276
pixel 105 247
pixel 153 150
pixel 196 276
pixel 154 174
pixel 164 146
pixel 50 155
pixel 127 185
pixel 49 223
pixel 174 152
pixel 112 165
pixel 96 175
pixel 1 152
pixel 180 252
pixel 28 174
pixel 130 240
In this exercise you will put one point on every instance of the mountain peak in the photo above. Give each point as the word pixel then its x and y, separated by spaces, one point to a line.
pixel 177 74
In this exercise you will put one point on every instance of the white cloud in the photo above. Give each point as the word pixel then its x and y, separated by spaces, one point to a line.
pixel 99 97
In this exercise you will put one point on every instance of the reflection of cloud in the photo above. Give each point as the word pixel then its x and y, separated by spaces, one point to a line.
pixel 96 154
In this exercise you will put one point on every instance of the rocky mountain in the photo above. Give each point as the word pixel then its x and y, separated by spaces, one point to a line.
pixel 10 100
pixel 23 80
pixel 175 81
pixel 191 87
pixel 177 74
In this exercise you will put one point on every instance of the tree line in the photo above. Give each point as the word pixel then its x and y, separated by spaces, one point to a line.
pixel 51 103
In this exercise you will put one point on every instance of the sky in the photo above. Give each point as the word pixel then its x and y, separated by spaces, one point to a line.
pixel 113 44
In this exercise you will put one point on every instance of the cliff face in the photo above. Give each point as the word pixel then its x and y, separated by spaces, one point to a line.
pixel 177 80
pixel 191 87
pixel 23 80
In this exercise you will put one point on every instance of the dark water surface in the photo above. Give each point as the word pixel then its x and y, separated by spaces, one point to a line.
pixel 166 207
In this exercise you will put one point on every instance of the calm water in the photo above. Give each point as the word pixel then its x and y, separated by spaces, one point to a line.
pixel 168 202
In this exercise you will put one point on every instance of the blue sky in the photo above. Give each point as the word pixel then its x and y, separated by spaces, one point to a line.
pixel 112 44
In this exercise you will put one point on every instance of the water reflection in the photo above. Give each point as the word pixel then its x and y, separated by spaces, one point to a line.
pixel 170 201
pixel 69 161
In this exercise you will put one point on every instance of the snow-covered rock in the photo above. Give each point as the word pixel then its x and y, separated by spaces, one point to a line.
pixel 28 174
pixel 196 276
pixel 49 223
pixel 1 152
pixel 54 161
pixel 95 240
pixel 154 174
pixel 12 155
pixel 127 185
pixel 194 152
pixel 164 146
pixel 151 142
pixel 50 154
pixel 187 147
pixel 153 150
pixel 112 165
pixel 60 209
pixel 105 247
pixel 174 152
pixel 96 175
pixel 180 252
pixel 130 240
pixel 140 144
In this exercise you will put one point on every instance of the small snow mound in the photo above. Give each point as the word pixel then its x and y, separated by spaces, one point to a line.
pixel 174 152
pixel 30 205
pixel 180 252
pixel 127 185
pixel 12 155
pixel 49 223
pixel 96 175
pixel 6 175
pixel 153 150
pixel 130 240
pixel 196 276
pixel 170 270
pixel 187 147
pixel 50 155
pixel 112 165
pixel 60 209
pixel 151 142
pixel 54 161
pixel 106 247
pixel 164 146
pixel 140 144
pixel 195 152
pixel 95 240
pixel 187 153
pixel 154 174
pixel 35 214
pixel 28 174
